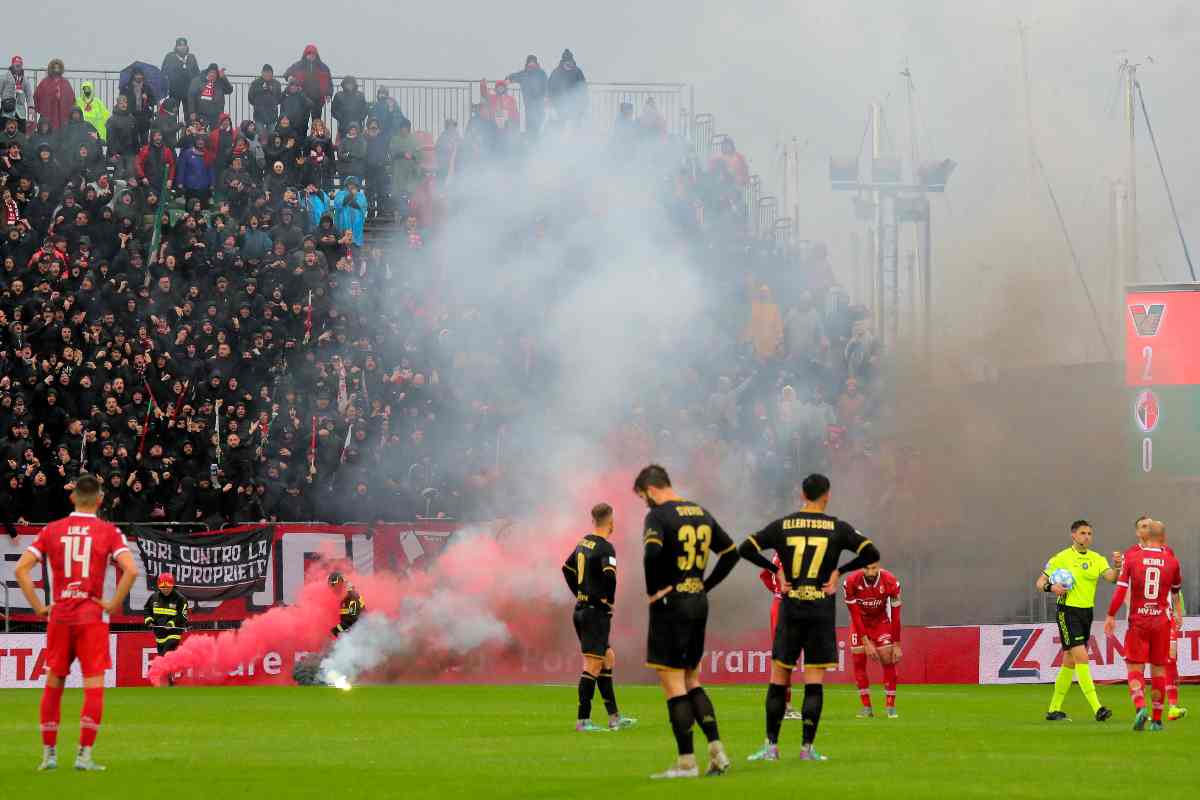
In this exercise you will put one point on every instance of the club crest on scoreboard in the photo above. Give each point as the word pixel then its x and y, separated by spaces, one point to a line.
pixel 1147 317
pixel 1146 411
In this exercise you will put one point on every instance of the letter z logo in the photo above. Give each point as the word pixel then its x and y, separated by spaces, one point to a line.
pixel 1017 663
pixel 1147 319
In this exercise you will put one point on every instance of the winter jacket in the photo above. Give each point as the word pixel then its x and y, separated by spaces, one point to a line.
pixel 349 105
pixel 150 162
pixel 567 88
pixel 144 109
pixel 352 156
pixel 265 97
pixel 350 213
pixel 22 96
pixel 501 108
pixel 296 107
pixel 389 115
pixel 532 81
pixel 195 172
pixel 120 132
pixel 180 72
pixel 54 98
pixel 406 172
pixel 208 99
pixel 94 110
pixel 315 78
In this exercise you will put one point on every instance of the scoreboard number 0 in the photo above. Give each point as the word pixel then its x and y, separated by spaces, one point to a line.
pixel 1147 361
pixel 1147 454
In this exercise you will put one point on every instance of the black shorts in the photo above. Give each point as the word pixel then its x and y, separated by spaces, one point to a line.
pixel 675 637
pixel 814 638
pixel 591 626
pixel 167 646
pixel 1074 626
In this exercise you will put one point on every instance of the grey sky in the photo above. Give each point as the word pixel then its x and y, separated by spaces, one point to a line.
pixel 770 70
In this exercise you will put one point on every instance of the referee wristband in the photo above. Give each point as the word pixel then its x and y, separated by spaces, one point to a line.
pixel 1048 588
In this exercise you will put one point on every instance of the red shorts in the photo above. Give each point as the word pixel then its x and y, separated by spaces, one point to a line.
pixel 880 634
pixel 87 642
pixel 1148 644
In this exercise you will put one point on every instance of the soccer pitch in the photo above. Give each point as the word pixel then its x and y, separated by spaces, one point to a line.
pixel 517 741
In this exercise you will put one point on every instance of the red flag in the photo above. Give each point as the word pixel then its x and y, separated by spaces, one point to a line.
pixel 308 317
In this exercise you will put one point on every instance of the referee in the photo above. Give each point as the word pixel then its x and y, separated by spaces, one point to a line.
pixel 1074 615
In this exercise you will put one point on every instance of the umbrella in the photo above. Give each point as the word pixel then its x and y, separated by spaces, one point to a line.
pixel 154 78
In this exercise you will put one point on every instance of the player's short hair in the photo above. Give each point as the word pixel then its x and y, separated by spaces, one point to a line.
pixel 87 488
pixel 651 477
pixel 601 512
pixel 815 487
pixel 1140 519
pixel 1080 523
pixel 1158 530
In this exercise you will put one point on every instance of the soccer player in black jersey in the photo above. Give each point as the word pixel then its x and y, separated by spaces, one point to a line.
pixel 808 543
pixel 678 538
pixel 591 574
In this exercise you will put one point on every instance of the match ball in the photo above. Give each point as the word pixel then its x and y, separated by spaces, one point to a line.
pixel 1064 578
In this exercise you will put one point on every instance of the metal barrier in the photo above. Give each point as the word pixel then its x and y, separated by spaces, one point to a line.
pixel 765 215
pixel 703 126
pixel 429 102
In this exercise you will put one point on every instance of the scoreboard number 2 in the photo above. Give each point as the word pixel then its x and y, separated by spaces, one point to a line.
pixel 1147 362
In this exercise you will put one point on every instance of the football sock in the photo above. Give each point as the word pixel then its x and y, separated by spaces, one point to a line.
pixel 889 684
pixel 1137 688
pixel 51 713
pixel 1084 673
pixel 1172 683
pixel 587 687
pixel 605 684
pixel 1062 685
pixel 1158 689
pixel 705 714
pixel 776 705
pixel 814 699
pixel 861 679
pixel 89 716
pixel 679 710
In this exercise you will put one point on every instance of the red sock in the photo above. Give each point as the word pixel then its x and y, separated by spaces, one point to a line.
pixel 51 713
pixel 889 683
pixel 1172 683
pixel 861 680
pixel 89 717
pixel 1158 689
pixel 1137 689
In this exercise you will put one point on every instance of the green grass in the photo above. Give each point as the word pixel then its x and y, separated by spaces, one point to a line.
pixel 490 742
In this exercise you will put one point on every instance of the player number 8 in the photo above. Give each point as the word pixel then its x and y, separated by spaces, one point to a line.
pixel 1153 577
pixel 695 543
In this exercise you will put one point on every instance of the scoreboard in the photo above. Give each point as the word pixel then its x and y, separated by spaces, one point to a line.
pixel 1162 376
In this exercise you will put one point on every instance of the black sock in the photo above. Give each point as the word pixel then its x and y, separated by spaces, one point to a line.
pixel 587 687
pixel 679 710
pixel 706 715
pixel 776 705
pixel 814 699
pixel 605 685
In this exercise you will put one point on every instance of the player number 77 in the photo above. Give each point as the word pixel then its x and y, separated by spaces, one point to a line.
pixel 798 545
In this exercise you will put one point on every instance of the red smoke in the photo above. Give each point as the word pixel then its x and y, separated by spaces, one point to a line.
pixel 514 575
pixel 209 659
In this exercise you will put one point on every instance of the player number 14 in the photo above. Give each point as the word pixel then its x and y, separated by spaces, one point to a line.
pixel 77 549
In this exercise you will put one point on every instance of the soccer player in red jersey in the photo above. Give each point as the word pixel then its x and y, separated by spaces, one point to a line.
pixel 771 581
pixel 873 596
pixel 1174 711
pixel 78 549
pixel 1149 575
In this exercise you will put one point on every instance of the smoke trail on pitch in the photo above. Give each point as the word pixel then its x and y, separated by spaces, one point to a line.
pixel 209 659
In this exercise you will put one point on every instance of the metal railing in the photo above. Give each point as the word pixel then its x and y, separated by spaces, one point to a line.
pixel 429 102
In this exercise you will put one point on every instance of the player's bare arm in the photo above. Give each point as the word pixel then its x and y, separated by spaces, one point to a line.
pixel 129 573
pixel 26 563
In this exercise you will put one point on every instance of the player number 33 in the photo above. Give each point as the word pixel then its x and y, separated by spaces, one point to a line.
pixel 695 541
